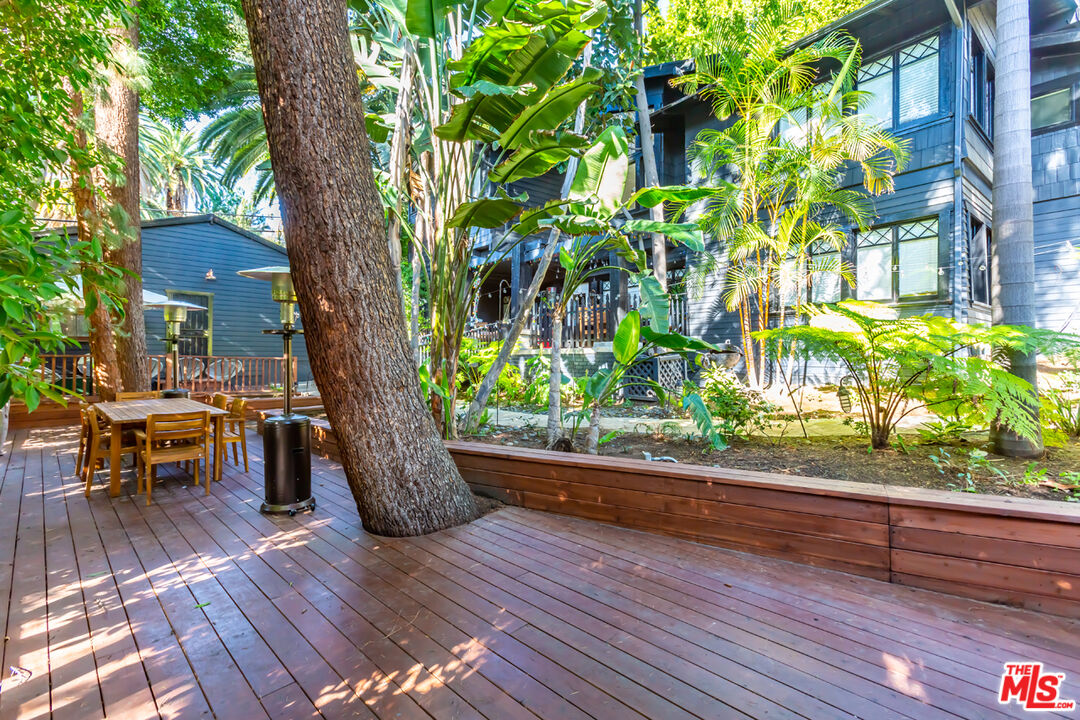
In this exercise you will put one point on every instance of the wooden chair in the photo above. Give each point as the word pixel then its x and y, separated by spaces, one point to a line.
pixel 220 401
pixel 235 432
pixel 84 438
pixel 148 395
pixel 173 437
pixel 97 446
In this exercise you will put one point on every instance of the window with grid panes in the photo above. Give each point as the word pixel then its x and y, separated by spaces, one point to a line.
pixel 897 262
pixel 824 283
pixel 903 86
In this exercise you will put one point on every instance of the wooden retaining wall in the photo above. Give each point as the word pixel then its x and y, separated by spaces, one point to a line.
pixel 1014 551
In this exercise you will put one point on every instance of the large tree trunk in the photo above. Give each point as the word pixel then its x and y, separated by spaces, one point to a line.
pixel 106 374
pixel 1013 264
pixel 554 423
pixel 117 122
pixel 398 469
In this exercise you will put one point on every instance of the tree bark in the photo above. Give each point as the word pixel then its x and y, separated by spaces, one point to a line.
pixel 398 469
pixel 116 117
pixel 106 374
pixel 1013 266
pixel 648 160
pixel 592 444
pixel 554 423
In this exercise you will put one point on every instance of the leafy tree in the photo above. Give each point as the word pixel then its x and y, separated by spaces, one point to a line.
pixel 689 27
pixel 53 50
pixel 175 171
pixel 190 50
pixel 774 194
pixel 898 365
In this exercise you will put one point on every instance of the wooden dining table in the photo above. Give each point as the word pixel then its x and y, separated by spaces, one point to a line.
pixel 125 414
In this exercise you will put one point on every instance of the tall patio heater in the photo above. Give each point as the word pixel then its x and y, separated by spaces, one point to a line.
pixel 175 314
pixel 286 437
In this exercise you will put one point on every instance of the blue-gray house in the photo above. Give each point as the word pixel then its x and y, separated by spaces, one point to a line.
pixel 930 66
pixel 196 259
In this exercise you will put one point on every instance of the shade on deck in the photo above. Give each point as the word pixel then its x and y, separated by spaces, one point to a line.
pixel 201 607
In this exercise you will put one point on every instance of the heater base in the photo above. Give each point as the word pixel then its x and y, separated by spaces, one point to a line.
pixel 176 393
pixel 291 508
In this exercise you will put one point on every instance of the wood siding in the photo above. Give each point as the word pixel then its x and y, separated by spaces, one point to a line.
pixel 177 256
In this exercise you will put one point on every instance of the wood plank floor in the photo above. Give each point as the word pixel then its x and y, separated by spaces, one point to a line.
pixel 201 607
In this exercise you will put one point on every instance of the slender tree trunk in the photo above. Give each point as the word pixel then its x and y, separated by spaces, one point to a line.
pixel 398 469
pixel 648 160
pixel 1013 249
pixel 117 121
pixel 399 148
pixel 592 445
pixel 414 307
pixel 479 401
pixel 554 424
pixel 106 374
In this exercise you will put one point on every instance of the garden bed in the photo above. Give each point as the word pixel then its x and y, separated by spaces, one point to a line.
pixel 842 458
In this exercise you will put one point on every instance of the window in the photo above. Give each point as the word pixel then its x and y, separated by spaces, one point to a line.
pixel 903 86
pixel 825 266
pixel 981 88
pixel 979 262
pixel 897 262
pixel 1050 109
pixel 791 281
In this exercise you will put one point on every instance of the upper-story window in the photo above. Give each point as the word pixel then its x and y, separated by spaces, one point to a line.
pixel 897 262
pixel 981 88
pixel 903 85
pixel 1053 108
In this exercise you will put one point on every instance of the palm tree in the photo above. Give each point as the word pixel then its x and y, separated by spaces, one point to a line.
pixel 1013 249
pixel 236 139
pixel 174 169
pixel 784 185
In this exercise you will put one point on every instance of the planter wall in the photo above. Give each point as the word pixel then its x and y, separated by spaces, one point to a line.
pixel 1007 550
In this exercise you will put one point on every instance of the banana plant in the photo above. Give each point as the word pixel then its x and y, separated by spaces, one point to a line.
pixel 634 342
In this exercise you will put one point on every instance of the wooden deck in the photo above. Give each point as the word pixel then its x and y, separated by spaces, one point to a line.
pixel 201 607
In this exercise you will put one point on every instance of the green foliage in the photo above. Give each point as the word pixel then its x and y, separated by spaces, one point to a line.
pixel 901 364
pixel 50 47
pixel 738 410
pixel 976 465
pixel 792 138
pixel 176 172
pixel 190 49
pixel 703 418
pixel 944 432
pixel 1061 404
pixel 689 27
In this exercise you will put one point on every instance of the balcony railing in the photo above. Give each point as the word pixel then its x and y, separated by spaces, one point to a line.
pixel 199 373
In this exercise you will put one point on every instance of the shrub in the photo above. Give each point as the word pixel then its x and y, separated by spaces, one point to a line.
pixel 898 365
pixel 736 409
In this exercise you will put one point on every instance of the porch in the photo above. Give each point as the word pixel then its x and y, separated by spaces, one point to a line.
pixel 199 606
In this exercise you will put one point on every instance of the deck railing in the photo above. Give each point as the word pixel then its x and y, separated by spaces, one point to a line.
pixel 199 373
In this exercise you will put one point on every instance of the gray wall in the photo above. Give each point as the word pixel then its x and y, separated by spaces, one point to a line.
pixel 177 257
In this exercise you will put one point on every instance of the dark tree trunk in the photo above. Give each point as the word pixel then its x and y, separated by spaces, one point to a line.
pixel 402 477
pixel 106 375
pixel 1013 266
pixel 117 123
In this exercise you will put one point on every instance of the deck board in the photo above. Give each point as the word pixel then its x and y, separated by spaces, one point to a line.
pixel 521 614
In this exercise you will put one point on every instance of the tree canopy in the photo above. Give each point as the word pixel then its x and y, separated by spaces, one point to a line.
pixel 690 27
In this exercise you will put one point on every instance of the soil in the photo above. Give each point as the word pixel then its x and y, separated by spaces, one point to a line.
pixel 486 504
pixel 846 458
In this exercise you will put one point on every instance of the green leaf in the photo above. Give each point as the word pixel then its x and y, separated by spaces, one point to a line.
pixel 651 197
pixel 601 176
pixel 377 130
pixel 704 421
pixel 31 398
pixel 565 260
pixel 552 110
pixel 688 234
pixel 489 212
pixel 541 152
pixel 627 338
pixel 654 303
pixel 488 88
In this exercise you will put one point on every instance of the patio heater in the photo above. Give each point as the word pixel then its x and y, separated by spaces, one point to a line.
pixel 176 312
pixel 286 437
